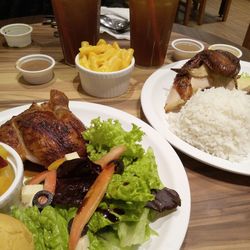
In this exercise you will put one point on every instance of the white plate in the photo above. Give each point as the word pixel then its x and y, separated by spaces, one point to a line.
pixel 153 98
pixel 172 228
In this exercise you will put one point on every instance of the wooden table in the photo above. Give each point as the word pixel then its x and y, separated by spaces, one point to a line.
pixel 220 213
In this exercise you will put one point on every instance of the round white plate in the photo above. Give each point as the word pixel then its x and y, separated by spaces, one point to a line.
pixel 171 228
pixel 153 99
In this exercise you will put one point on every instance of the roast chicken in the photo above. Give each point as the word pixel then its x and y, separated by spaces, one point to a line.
pixel 209 68
pixel 45 132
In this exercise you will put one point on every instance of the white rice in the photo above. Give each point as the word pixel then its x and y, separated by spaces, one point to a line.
pixel 216 121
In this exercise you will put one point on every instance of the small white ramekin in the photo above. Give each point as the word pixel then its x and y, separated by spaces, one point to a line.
pixel 104 84
pixel 181 54
pixel 38 76
pixel 235 51
pixel 13 194
pixel 17 34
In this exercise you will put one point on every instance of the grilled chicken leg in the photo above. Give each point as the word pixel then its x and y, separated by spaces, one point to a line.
pixel 45 132
pixel 209 68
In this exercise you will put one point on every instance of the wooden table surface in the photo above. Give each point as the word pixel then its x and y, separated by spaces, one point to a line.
pixel 220 210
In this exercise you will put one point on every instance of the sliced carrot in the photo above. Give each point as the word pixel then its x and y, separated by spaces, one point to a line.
pixel 38 178
pixel 94 196
pixel 50 181
pixel 90 203
pixel 113 154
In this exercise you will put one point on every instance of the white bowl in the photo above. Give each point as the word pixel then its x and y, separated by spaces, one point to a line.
pixel 17 34
pixel 104 84
pixel 237 52
pixel 36 68
pixel 13 195
pixel 185 48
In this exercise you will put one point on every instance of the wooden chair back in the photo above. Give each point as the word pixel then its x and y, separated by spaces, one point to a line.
pixel 246 42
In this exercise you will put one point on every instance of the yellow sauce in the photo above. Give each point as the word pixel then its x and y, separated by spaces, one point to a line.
pixel 7 174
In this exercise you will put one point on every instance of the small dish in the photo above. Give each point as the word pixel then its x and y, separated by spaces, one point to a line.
pixel 234 50
pixel 36 68
pixel 185 48
pixel 17 34
pixel 104 84
pixel 13 194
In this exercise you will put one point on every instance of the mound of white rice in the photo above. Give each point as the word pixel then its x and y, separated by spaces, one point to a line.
pixel 216 121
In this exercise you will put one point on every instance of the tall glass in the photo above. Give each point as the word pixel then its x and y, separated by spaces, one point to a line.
pixel 151 24
pixel 77 21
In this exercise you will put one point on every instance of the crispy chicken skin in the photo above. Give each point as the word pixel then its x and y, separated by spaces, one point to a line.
pixel 46 132
pixel 209 68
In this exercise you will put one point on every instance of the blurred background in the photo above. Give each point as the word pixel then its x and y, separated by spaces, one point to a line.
pixel 234 28
pixel 20 8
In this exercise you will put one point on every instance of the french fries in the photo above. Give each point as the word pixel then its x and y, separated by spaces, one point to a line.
pixel 104 57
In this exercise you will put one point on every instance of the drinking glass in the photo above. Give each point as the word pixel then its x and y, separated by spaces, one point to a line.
pixel 77 21
pixel 151 24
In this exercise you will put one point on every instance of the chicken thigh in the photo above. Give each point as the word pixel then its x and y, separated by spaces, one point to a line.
pixel 45 132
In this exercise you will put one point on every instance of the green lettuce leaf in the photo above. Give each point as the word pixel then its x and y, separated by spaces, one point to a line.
pixel 103 135
pixel 125 236
pixel 128 188
pixel 48 227
pixel 30 217
pixel 137 181
pixel 127 194
pixel 98 221
pixel 134 233
pixel 106 240
pixel 145 168
pixel 119 211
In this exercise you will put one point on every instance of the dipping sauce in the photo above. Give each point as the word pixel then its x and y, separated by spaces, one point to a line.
pixel 235 51
pixel 35 65
pixel 187 46
pixel 6 173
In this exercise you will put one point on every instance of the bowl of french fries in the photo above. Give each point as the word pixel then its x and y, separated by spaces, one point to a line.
pixel 104 69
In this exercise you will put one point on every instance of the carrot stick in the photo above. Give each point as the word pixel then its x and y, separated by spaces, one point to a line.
pixel 113 154
pixel 90 203
pixel 38 178
pixel 93 197
pixel 50 181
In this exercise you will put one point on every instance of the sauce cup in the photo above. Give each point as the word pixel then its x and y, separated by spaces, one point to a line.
pixel 185 48
pixel 232 49
pixel 17 34
pixel 36 68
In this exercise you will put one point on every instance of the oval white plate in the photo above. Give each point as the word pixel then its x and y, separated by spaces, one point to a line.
pixel 171 228
pixel 153 98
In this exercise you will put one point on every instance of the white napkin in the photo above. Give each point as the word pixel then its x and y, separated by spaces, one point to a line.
pixel 124 12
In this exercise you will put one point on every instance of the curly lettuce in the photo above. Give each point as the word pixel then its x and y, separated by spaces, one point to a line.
pixel 127 194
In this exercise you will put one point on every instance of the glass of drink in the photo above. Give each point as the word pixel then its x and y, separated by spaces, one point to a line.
pixel 77 21
pixel 151 24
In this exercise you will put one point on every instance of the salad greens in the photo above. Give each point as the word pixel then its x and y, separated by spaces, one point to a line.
pixel 128 193
pixel 122 219
pixel 48 227
pixel 103 135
